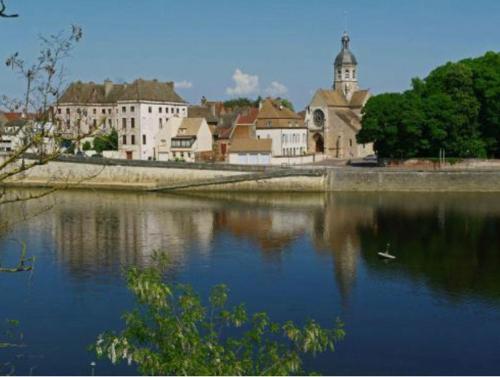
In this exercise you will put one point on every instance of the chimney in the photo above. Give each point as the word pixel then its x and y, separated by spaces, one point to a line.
pixel 108 87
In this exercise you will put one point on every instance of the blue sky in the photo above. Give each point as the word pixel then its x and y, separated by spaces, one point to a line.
pixel 288 45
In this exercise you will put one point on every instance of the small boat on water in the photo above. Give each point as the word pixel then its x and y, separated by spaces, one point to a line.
pixel 385 254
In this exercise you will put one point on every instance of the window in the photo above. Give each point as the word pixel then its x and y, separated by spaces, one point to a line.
pixel 160 109
pixel 161 123
pixel 67 111
pixel 150 109
pixel 132 122
pixel 59 111
pixel 350 142
pixel 94 111
pixel 166 110
pixel 353 73
pixel 143 139
pixel 347 74
pixel 110 124
pixel 132 139
pixel 109 111
pixel 339 74
pixel 132 109
pixel 103 111
pixel 124 139
pixel 124 122
pixel 94 123
pixel 177 110
pixel 124 109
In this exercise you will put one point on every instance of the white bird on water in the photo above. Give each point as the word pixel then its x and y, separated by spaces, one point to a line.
pixel 386 253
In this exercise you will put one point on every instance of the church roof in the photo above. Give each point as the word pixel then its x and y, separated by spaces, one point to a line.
pixel 359 98
pixel 349 118
pixel 335 98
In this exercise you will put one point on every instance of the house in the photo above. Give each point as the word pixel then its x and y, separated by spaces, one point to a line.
pixel 250 151
pixel 333 117
pixel 185 139
pixel 283 126
pixel 138 111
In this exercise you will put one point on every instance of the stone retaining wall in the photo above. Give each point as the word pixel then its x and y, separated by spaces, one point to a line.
pixel 404 180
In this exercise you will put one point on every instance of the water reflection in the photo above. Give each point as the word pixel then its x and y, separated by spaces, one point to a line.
pixel 447 241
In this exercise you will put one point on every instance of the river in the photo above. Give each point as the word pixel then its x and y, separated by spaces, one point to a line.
pixel 434 310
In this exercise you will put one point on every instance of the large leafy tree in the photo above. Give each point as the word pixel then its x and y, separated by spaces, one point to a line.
pixel 456 108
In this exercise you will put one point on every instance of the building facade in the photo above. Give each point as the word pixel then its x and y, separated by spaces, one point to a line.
pixel 333 117
pixel 284 127
pixel 137 111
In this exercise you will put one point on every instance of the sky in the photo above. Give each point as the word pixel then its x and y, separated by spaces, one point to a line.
pixel 222 49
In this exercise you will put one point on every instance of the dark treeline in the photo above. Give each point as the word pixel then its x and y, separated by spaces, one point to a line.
pixel 456 108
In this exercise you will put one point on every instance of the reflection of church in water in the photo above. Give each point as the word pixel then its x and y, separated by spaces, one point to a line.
pixel 333 117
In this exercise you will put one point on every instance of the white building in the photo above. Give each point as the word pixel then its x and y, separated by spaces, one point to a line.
pixel 284 127
pixel 138 111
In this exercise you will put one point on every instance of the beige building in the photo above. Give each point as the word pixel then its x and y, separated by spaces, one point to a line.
pixel 333 117
pixel 185 139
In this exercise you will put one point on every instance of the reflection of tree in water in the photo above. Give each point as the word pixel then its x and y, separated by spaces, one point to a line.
pixel 451 250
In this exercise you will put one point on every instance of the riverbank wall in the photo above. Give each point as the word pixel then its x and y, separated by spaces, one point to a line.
pixel 68 173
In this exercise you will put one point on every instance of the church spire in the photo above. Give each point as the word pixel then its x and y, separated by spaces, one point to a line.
pixel 345 69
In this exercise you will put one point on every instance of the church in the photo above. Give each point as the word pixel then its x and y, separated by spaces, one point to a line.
pixel 333 117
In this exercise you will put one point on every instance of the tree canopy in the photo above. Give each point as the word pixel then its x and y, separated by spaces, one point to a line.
pixel 455 108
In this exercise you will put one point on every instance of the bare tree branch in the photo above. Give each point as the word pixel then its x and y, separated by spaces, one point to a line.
pixel 2 11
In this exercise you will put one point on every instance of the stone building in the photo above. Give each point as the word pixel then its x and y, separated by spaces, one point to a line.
pixel 138 111
pixel 333 117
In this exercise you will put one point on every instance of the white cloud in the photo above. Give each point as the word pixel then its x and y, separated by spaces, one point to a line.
pixel 184 84
pixel 276 89
pixel 244 84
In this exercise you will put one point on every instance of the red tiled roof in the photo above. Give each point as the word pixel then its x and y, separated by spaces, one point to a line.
pixel 249 117
pixel 13 116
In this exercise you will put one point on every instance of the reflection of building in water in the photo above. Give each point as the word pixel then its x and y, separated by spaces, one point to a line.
pixel 104 231
pixel 335 231
pixel 272 229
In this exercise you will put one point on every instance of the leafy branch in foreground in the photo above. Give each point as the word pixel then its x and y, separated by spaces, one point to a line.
pixel 171 332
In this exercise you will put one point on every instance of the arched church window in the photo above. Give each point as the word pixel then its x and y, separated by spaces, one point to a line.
pixel 339 74
pixel 347 74
pixel 353 73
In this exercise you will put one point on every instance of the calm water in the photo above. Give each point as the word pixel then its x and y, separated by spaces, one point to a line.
pixel 435 310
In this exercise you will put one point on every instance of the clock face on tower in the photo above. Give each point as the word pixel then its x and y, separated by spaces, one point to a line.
pixel 319 118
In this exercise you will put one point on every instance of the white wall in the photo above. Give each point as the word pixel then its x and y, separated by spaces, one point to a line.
pixel 286 141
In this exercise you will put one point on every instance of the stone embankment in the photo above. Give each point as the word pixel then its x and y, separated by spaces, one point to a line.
pixel 171 176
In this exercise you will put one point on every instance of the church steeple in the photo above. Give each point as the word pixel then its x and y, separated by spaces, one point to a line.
pixel 345 76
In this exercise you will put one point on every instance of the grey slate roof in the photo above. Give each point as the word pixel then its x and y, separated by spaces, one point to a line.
pixel 139 90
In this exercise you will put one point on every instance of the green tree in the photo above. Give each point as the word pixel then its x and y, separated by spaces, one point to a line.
pixel 455 108
pixel 286 103
pixel 239 102
pixel 87 146
pixel 106 142
pixel 172 333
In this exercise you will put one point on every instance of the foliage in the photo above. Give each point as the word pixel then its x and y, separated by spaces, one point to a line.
pixel 10 338
pixel 172 333
pixel 87 146
pixel 456 108
pixel 286 103
pixel 106 142
pixel 239 102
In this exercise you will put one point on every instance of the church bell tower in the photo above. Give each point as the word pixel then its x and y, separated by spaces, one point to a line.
pixel 345 76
